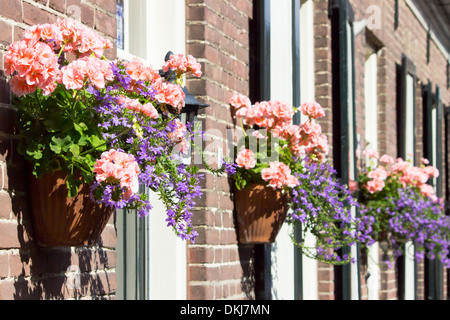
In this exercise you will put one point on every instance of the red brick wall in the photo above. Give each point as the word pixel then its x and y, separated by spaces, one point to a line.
pixel 28 271
pixel 218 36
pixel 409 38
pixel 323 80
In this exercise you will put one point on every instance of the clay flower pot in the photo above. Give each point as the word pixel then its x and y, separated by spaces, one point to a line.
pixel 260 213
pixel 62 221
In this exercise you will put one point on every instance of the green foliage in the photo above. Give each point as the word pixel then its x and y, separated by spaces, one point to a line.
pixel 60 132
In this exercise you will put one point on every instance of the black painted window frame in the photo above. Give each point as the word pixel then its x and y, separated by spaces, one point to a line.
pixel 407 67
pixel 341 15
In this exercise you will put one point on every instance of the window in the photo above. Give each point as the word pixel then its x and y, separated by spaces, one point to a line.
pixel 344 126
pixel 406 146
pixel 371 138
pixel 432 141
pixel 307 93
pixel 148 251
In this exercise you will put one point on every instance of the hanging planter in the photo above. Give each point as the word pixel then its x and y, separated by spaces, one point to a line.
pixel 95 131
pixel 398 206
pixel 59 220
pixel 280 174
pixel 260 213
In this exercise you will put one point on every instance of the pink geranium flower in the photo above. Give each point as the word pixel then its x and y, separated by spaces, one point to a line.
pixel 312 110
pixel 375 185
pixel 379 173
pixel 183 64
pixel 118 167
pixel 246 159
pixel 34 62
pixel 179 133
pixel 239 101
pixel 370 153
pixel 278 175
pixel 168 93
pixel 386 159
pixel 431 171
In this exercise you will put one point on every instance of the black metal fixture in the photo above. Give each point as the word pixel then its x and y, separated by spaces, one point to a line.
pixel 428 44
pixel 192 105
pixel 342 18
pixel 396 15
pixel 448 74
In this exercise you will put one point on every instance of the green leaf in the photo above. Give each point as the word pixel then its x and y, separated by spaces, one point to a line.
pixel 84 140
pixel 59 145
pixel 75 149
pixel 80 127
pixel 33 151
pixel 97 143
pixel 73 186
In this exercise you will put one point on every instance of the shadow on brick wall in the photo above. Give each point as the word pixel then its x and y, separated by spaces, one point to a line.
pixel 37 272
pixel 246 258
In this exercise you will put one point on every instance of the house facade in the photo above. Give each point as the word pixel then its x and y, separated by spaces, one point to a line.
pixel 379 68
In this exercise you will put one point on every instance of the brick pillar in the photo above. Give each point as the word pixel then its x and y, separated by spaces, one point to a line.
pixel 218 36
pixel 323 75
pixel 28 271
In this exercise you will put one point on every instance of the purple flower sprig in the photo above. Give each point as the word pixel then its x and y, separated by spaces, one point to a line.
pixel 148 140
pixel 408 217
pixel 322 206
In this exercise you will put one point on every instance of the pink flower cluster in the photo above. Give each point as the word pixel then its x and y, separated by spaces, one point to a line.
pixel 32 65
pixel 407 174
pixel 416 176
pixel 278 175
pixel 370 153
pixel 306 139
pixel 33 61
pixel 75 75
pixel 239 100
pixel 134 105
pixel 183 65
pixel 178 137
pixel 138 71
pixel 169 93
pixel 166 92
pixel 71 36
pixel 273 115
pixel 246 159
pixel 312 110
pixel 378 176
pixel 118 167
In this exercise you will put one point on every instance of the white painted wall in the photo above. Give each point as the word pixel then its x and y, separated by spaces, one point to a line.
pixel 410 132
pixel 307 93
pixel 371 136
pixel 144 20
pixel 281 89
pixel 354 273
pixel 434 140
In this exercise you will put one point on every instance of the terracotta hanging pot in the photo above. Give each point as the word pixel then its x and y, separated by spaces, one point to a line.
pixel 62 221
pixel 260 213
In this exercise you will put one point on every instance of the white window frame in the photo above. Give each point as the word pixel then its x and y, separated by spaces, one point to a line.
pixel 409 149
pixel 371 137
pixel 166 258
pixel 308 93
pixel 282 250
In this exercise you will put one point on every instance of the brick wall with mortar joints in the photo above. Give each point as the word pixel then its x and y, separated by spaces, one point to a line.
pixel 323 87
pixel 409 38
pixel 26 270
pixel 217 35
pixel 388 57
